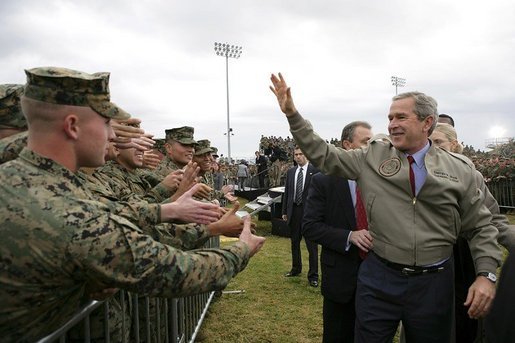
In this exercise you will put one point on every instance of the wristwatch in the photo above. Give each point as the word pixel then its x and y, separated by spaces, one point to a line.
pixel 489 276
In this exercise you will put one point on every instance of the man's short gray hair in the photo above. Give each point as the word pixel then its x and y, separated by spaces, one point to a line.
pixel 348 130
pixel 425 106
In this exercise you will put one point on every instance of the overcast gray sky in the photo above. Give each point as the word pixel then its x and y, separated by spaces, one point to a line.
pixel 338 57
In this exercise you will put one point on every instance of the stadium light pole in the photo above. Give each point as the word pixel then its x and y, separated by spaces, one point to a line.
pixel 233 51
pixel 398 82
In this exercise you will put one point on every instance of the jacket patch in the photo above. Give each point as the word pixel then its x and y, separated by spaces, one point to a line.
pixel 444 175
pixel 390 167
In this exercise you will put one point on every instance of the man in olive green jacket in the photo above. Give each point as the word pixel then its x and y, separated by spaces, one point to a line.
pixel 415 212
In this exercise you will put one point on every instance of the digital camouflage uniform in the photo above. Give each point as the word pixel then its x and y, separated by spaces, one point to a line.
pixel 98 95
pixel 119 184
pixel 11 146
pixel 165 167
pixel 214 153
pixel 138 211
pixel 134 208
pixel 184 237
pixel 275 173
pixel 160 145
pixel 149 176
pixel 204 146
pixel 57 240
pixel 11 115
pixel 125 183
pixel 183 135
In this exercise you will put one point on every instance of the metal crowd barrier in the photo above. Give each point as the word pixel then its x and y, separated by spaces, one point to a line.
pixel 503 191
pixel 149 319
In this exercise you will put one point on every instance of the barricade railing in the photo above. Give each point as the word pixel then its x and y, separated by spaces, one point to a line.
pixel 504 192
pixel 127 317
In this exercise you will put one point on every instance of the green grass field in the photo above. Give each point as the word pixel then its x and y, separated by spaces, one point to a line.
pixel 270 308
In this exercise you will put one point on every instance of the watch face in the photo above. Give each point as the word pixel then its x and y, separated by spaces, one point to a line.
pixel 489 276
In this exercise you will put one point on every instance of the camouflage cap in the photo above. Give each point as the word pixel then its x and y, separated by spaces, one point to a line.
pixel 160 145
pixel 11 115
pixel 70 87
pixel 183 135
pixel 203 146
pixel 214 151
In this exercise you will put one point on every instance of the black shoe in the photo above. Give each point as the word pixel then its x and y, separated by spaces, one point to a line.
pixel 290 274
pixel 313 283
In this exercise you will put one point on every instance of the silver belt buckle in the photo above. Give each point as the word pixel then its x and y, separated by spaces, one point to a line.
pixel 407 271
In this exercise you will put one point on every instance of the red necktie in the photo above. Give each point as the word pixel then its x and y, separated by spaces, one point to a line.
pixel 361 218
pixel 411 160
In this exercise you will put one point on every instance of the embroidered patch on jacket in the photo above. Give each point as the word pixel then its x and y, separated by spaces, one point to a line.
pixel 444 175
pixel 390 167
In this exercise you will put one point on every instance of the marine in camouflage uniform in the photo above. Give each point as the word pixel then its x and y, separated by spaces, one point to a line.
pixel 47 212
pixel 10 147
pixel 202 157
pixel 138 211
pixel 125 183
pixel 57 239
pixel 182 136
pixel 122 176
pixel 275 173
pixel 134 208
pixel 12 120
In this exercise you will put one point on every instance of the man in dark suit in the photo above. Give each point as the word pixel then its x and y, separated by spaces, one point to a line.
pixel 262 166
pixel 297 183
pixel 499 322
pixel 330 220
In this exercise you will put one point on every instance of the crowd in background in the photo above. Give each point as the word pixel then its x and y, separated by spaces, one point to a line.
pixel 496 164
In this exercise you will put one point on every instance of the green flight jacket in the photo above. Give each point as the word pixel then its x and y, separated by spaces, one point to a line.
pixel 410 230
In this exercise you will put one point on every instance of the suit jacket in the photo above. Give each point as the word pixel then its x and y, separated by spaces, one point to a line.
pixel 328 219
pixel 261 163
pixel 499 322
pixel 289 189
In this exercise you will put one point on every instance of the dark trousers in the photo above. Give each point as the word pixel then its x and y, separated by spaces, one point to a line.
pixel 261 177
pixel 339 321
pixel 385 296
pixel 296 237
pixel 499 323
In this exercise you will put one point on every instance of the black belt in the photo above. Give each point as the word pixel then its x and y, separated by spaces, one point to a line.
pixel 411 270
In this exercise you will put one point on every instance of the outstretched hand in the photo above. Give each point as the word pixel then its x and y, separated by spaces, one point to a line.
pixel 283 94
pixel 127 128
pixel 254 242
pixel 188 210
pixel 229 225
pixel 186 178
pixel 150 159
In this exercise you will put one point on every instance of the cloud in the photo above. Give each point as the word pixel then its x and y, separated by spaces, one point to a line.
pixel 338 57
